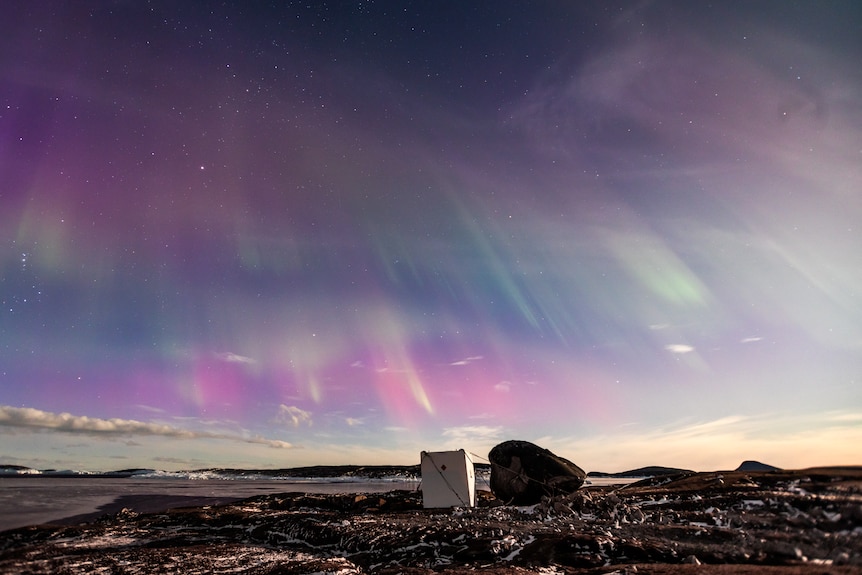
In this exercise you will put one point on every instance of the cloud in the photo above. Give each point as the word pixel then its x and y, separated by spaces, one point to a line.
pixel 274 443
pixel 150 408
pixel 293 415
pixel 750 339
pixel 714 427
pixel 679 348
pixel 467 360
pixel 171 460
pixel 30 418
pixel 473 434
pixel 503 387
pixel 387 369
pixel 849 417
pixel 351 421
pixel 35 418
pixel 235 358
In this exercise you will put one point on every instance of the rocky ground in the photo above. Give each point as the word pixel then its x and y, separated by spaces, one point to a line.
pixel 780 522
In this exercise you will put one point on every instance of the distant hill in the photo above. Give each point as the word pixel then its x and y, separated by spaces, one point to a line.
pixel 323 471
pixel 651 471
pixel 14 469
pixel 749 465
pixel 317 471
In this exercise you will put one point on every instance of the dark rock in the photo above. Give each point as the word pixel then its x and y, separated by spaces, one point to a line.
pixel 522 472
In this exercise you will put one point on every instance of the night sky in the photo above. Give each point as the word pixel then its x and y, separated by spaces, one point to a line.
pixel 272 234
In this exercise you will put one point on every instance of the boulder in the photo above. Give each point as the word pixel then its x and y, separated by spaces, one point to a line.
pixel 522 472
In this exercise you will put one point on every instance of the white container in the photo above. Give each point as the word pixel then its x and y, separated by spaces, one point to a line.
pixel 448 479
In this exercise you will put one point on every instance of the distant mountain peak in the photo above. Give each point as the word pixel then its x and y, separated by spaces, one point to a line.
pixel 751 465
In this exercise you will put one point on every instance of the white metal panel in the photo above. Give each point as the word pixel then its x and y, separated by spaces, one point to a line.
pixel 448 479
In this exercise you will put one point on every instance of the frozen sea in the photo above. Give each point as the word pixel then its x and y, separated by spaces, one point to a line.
pixel 32 500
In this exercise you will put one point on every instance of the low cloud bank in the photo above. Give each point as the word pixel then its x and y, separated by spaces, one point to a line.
pixel 30 418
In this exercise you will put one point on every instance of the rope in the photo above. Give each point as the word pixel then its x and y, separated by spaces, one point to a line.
pixel 542 483
pixel 547 486
pixel 477 456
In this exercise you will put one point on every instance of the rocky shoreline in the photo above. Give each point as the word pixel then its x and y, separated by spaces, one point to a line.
pixel 786 522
